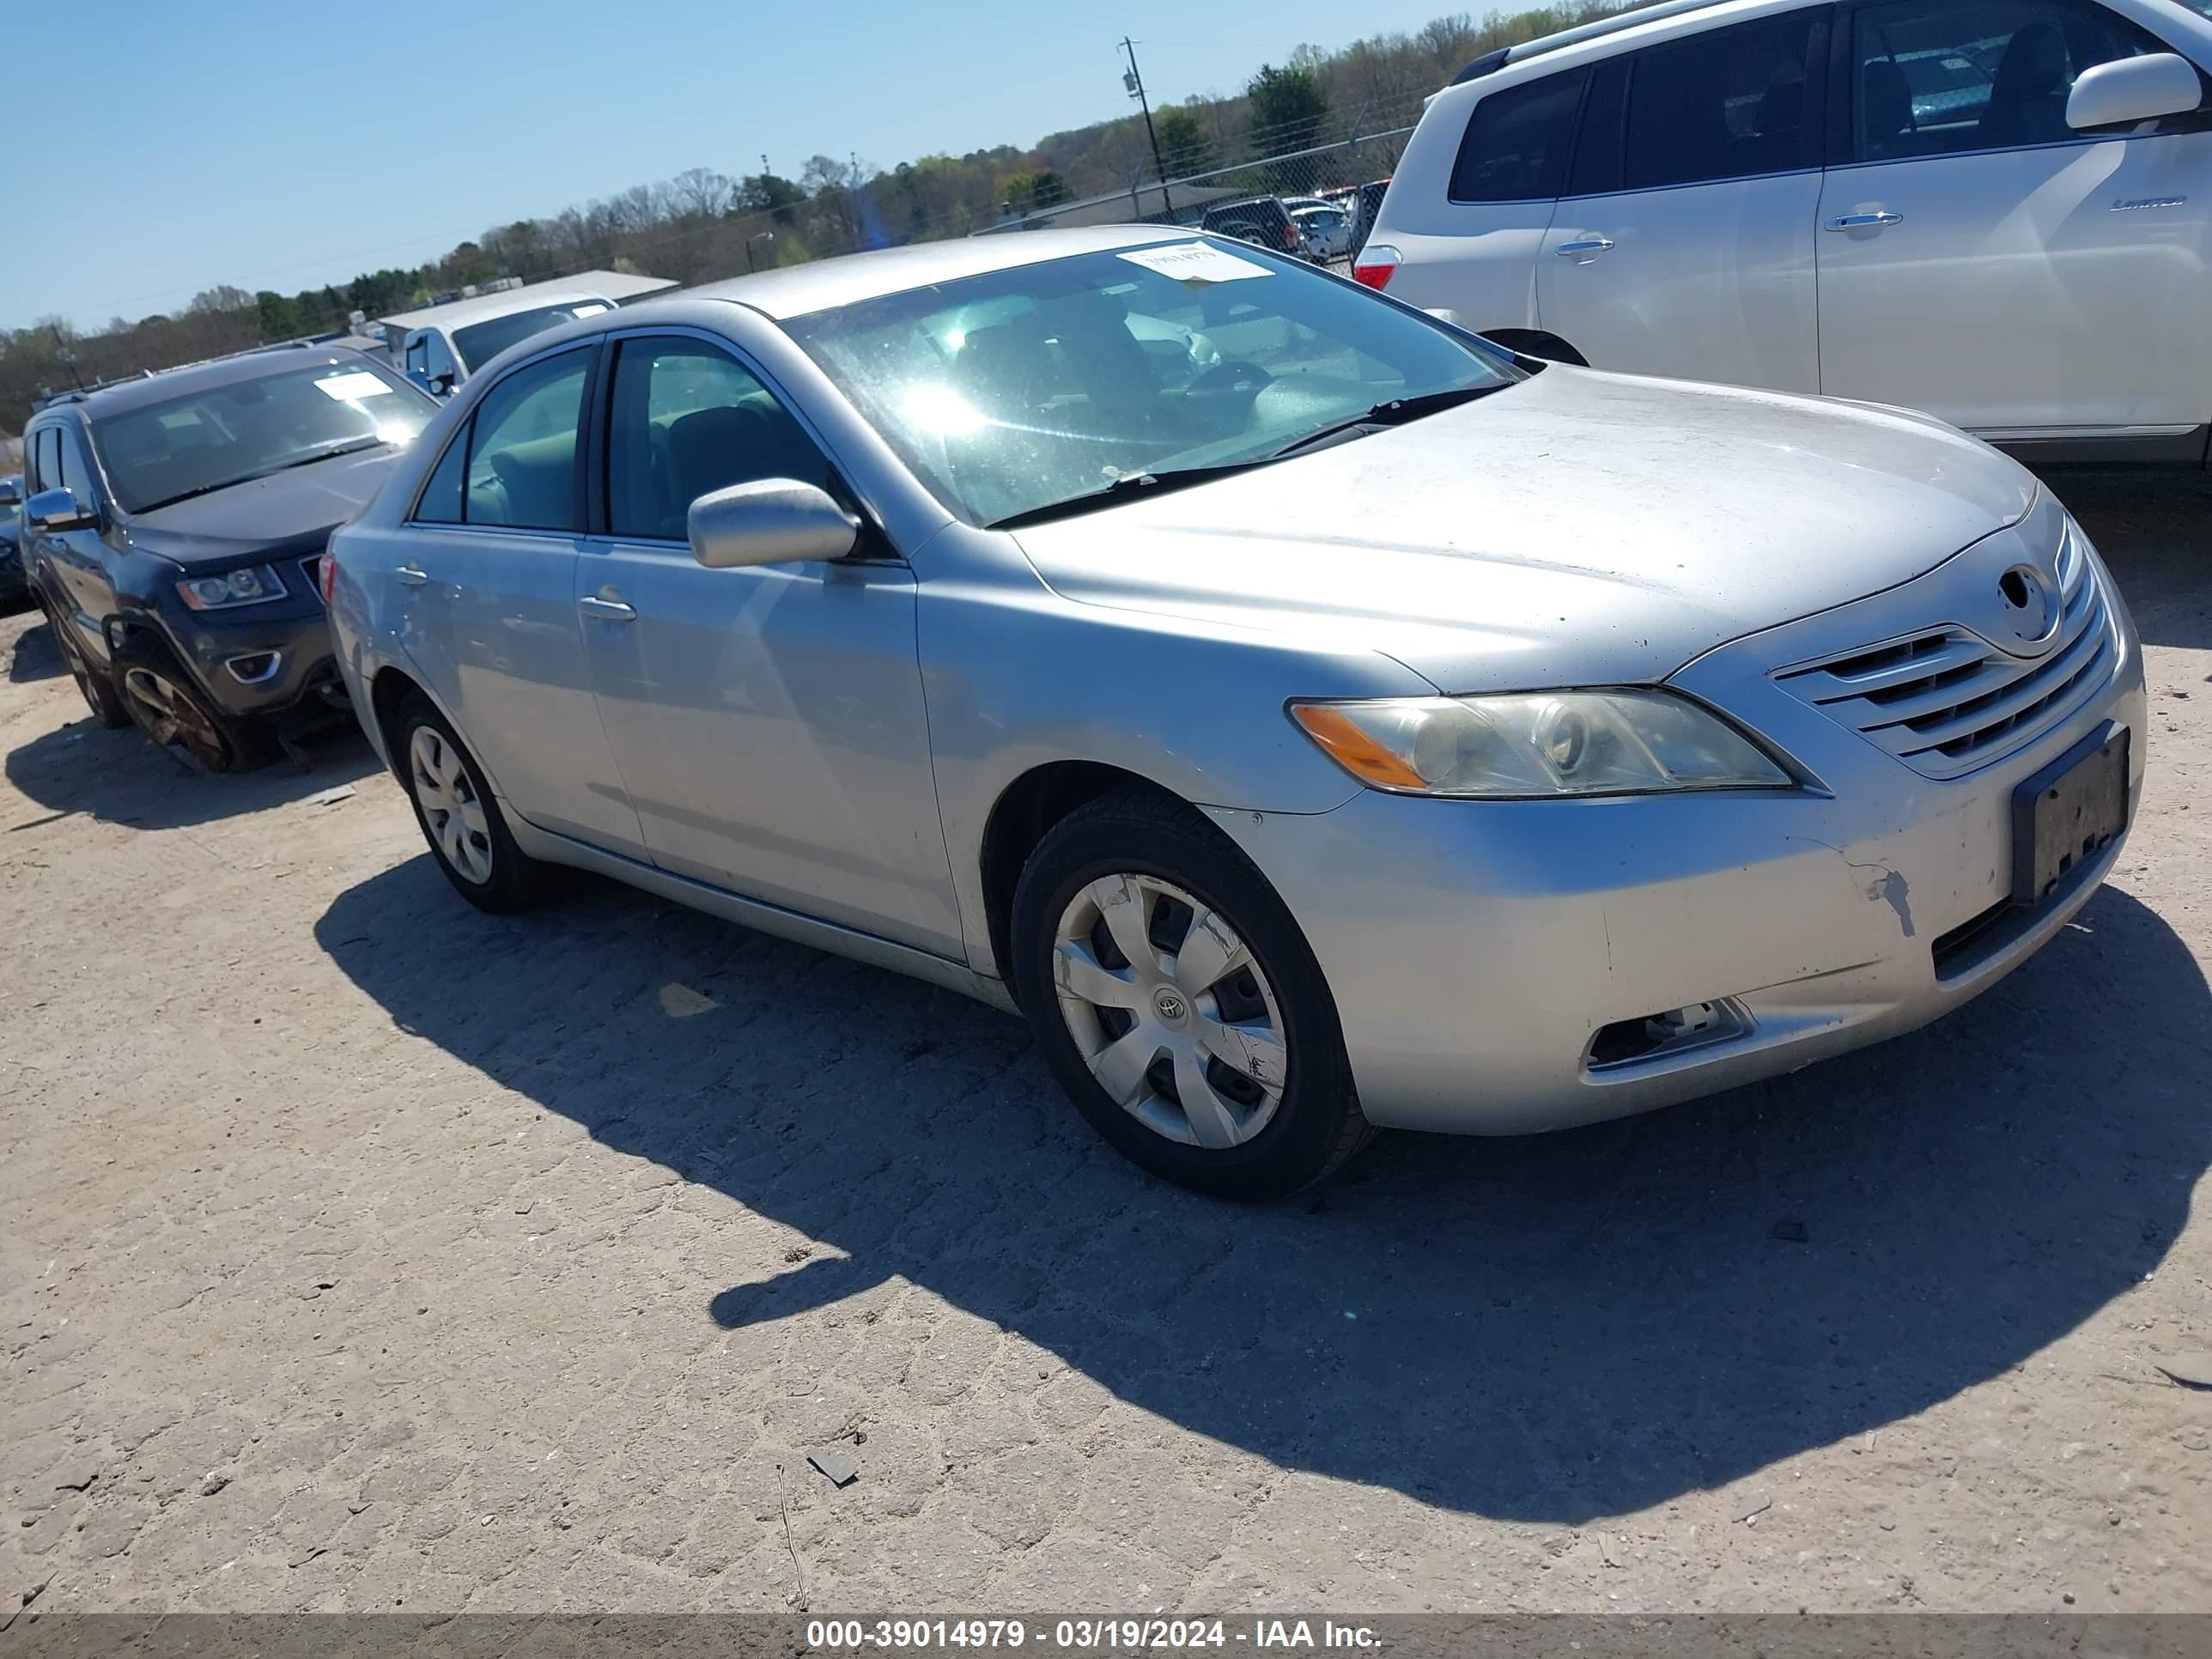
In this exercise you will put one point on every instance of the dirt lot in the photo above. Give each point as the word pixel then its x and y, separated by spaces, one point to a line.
pixel 362 1251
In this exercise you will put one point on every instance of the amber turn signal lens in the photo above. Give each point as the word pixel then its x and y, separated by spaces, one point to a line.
pixel 1353 749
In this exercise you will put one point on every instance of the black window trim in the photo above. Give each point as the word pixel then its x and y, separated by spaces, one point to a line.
pixel 1842 97
pixel 875 545
pixel 465 432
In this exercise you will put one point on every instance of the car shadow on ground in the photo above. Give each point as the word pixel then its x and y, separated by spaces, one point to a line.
pixel 1550 1329
pixel 2155 529
pixel 122 778
pixel 37 656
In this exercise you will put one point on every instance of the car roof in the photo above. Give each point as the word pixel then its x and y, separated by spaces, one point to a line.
pixel 796 290
pixel 159 388
pixel 613 285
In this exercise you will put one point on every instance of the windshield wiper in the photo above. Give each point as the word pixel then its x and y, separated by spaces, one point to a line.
pixel 1135 483
pixel 345 446
pixel 1396 411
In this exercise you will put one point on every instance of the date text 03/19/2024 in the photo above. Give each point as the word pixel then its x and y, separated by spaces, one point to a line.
pixel 1086 1635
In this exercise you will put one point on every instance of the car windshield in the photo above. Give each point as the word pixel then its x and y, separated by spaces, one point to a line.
pixel 1049 383
pixel 479 342
pixel 226 434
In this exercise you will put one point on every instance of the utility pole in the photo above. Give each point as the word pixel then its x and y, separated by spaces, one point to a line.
pixel 1134 81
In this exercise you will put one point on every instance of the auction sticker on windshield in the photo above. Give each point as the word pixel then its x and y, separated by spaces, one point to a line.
pixel 351 388
pixel 1195 262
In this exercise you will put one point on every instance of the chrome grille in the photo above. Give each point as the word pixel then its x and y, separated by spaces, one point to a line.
pixel 1947 701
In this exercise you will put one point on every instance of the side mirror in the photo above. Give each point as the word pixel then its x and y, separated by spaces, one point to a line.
pixel 2131 89
pixel 11 492
pixel 770 522
pixel 437 386
pixel 51 511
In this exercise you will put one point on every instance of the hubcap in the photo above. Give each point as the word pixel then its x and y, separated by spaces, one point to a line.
pixel 449 804
pixel 171 715
pixel 1171 1011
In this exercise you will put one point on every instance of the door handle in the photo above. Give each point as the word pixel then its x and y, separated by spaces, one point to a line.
pixel 1584 245
pixel 413 575
pixel 1864 220
pixel 612 609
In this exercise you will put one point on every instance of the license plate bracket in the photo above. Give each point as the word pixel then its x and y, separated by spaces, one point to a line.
pixel 2068 813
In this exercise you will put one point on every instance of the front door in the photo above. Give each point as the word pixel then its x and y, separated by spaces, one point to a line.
pixel 768 721
pixel 1684 244
pixel 1980 259
pixel 489 566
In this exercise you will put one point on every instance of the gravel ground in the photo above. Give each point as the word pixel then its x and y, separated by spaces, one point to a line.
pixel 363 1252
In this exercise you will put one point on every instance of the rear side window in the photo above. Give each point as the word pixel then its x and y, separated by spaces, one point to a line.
pixel 440 501
pixel 1517 140
pixel 1731 103
pixel 1937 77
pixel 522 448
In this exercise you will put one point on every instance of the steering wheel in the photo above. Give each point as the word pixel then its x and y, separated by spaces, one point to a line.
pixel 1230 378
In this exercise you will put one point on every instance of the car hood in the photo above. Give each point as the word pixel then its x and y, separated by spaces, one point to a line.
pixel 1580 528
pixel 285 515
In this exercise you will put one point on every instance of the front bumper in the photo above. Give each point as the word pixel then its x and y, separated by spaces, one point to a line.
pixel 259 661
pixel 1477 950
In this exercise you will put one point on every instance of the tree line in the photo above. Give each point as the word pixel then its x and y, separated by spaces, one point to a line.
pixel 704 224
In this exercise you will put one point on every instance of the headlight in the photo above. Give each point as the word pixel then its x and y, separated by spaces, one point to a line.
pixel 1538 744
pixel 255 584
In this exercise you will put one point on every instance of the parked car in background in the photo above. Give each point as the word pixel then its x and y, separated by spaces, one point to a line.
pixel 1997 210
pixel 1262 221
pixel 1369 729
pixel 439 354
pixel 13 591
pixel 174 532
pixel 1326 230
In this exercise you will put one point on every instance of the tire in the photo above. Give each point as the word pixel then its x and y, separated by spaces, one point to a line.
pixel 170 708
pixel 1278 1114
pixel 442 780
pixel 97 685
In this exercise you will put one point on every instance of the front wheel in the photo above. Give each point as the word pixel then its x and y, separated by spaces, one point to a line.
pixel 1179 1005
pixel 178 716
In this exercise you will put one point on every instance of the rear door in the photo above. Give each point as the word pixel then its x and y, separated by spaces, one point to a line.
pixel 488 569
pixel 1683 242
pixel 769 721
pixel 1980 259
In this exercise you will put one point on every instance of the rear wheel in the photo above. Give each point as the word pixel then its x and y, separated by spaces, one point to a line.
pixel 1179 1005
pixel 96 684
pixel 454 804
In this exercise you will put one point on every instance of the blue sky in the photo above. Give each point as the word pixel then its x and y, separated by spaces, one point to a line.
pixel 281 145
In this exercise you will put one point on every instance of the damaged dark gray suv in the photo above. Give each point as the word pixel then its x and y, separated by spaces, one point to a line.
pixel 173 531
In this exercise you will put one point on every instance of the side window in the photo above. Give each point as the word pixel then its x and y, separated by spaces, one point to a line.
pixel 1937 77
pixel 1728 104
pixel 522 447
pixel 441 500
pixel 36 471
pixel 72 470
pixel 686 421
pixel 1517 140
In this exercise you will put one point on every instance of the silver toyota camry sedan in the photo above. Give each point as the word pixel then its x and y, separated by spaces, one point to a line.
pixel 1311 717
